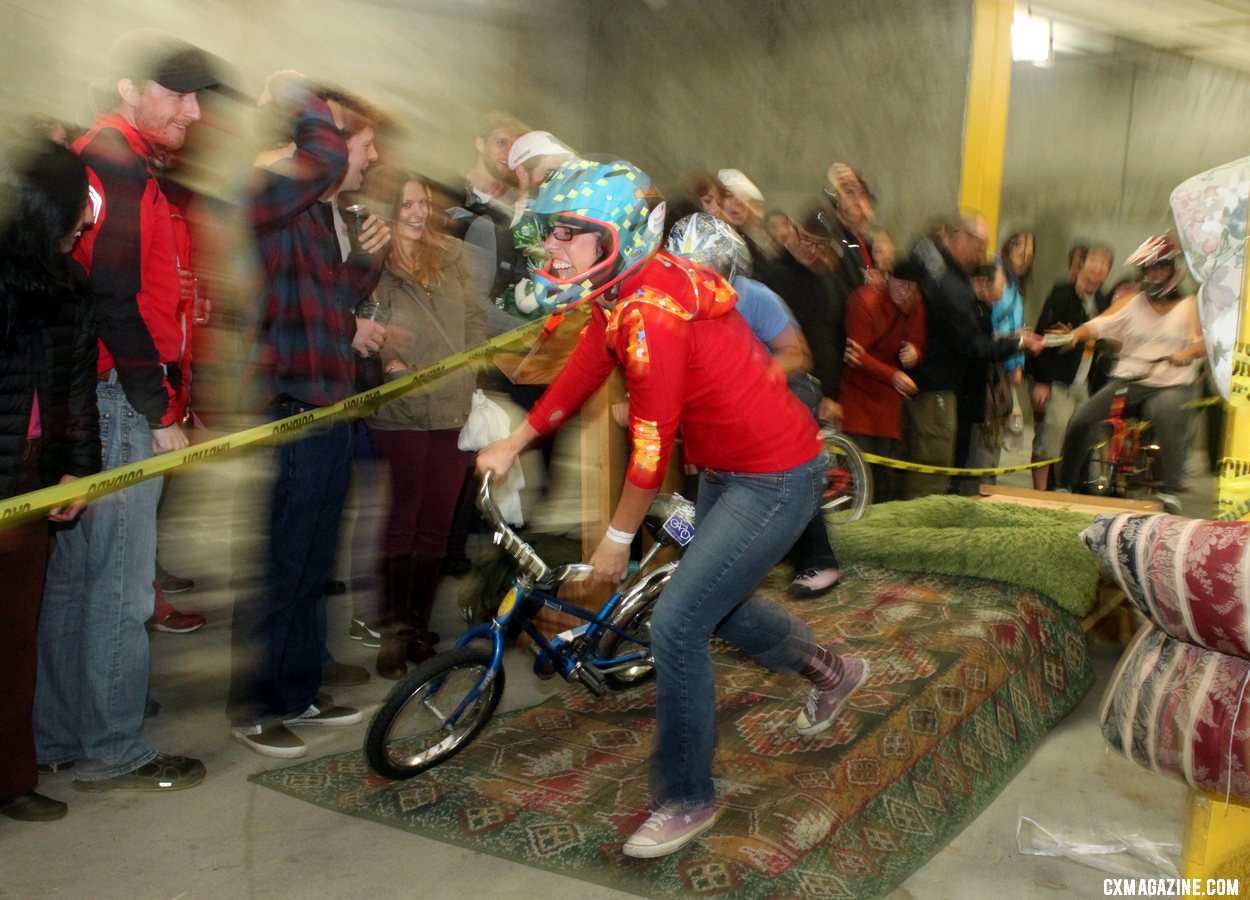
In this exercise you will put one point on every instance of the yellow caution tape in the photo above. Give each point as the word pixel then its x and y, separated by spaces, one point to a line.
pixel 1240 511
pixel 36 503
pixel 947 470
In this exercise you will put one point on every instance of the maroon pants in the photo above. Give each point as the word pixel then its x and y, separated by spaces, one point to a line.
pixel 23 561
pixel 427 470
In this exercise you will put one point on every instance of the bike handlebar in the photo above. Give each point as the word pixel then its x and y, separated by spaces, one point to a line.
pixel 523 553
pixel 1150 367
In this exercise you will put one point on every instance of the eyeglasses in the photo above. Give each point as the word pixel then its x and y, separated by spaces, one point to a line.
pixel 565 233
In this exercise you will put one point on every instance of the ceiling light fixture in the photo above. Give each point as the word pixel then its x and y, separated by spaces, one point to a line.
pixel 1032 38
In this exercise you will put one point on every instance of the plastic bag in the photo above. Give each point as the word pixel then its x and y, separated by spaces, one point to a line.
pixel 1129 855
pixel 488 422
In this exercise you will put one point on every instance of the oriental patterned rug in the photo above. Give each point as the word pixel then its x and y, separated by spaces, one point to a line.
pixel 967 676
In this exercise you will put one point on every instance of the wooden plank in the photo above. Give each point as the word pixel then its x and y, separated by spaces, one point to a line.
pixel 1084 503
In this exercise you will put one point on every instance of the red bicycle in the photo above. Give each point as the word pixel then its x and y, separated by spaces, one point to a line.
pixel 1124 459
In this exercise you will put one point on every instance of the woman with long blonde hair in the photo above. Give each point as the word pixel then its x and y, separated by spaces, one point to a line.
pixel 427 287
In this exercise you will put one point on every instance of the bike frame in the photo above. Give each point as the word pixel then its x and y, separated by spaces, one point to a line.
pixel 522 591
pixel 1125 441
pixel 568 663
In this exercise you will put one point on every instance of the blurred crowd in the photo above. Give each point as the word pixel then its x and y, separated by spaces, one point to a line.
pixel 138 304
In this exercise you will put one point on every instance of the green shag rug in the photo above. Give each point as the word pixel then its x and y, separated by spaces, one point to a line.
pixel 1038 549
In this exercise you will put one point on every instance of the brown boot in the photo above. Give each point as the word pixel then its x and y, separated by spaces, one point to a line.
pixel 422 588
pixel 396 588
pixel 394 652
pixel 419 648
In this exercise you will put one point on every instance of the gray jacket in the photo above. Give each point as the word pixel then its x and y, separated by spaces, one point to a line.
pixel 414 339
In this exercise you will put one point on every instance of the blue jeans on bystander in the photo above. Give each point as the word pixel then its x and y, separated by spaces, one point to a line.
pixel 280 632
pixel 93 647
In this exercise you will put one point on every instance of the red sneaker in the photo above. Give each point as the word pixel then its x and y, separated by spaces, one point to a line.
pixel 166 618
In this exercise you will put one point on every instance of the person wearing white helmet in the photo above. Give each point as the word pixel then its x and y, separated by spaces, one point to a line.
pixel 711 242
pixel 1161 338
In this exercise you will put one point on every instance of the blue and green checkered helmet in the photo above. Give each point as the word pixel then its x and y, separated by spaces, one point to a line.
pixel 615 199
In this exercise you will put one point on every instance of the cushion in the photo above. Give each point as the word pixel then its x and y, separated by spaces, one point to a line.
pixel 1191 577
pixel 1173 707
pixel 1038 549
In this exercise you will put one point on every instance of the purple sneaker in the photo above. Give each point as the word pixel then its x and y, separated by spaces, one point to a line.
pixel 668 830
pixel 823 706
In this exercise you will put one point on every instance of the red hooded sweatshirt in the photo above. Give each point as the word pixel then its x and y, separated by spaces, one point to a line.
pixel 690 361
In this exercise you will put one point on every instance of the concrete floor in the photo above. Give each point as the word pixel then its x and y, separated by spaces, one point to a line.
pixel 228 838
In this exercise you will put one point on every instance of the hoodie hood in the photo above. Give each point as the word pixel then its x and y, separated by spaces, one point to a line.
pixel 685 289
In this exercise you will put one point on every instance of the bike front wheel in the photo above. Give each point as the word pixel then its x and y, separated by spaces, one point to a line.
pixel 433 713
pixel 850 485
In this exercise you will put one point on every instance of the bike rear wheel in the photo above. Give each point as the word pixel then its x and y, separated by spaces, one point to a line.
pixel 849 491
pixel 644 669
pixel 1098 471
pixel 633 616
pixel 411 732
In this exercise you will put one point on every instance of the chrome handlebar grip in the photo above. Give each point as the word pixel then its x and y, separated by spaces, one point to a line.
pixel 523 553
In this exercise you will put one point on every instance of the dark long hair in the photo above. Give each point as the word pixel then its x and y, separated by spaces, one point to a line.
pixel 43 188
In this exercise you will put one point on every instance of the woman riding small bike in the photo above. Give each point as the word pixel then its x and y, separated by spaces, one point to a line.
pixel 690 361
pixel 1156 324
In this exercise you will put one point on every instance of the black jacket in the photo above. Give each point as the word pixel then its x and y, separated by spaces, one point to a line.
pixel 819 306
pixel 58 359
pixel 1064 306
pixel 852 271
pixel 953 339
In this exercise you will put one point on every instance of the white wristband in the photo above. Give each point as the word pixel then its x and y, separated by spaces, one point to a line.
pixel 619 537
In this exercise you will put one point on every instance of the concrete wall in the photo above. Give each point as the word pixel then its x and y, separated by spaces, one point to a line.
pixel 782 88
pixel 778 88
pixel 437 65
pixel 1094 148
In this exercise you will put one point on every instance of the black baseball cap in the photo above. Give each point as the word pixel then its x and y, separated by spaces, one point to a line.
pixel 151 55
pixel 909 270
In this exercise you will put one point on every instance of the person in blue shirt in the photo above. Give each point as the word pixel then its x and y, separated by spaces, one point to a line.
pixel 711 242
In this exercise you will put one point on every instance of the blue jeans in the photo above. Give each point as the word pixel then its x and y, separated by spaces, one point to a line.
pixel 280 633
pixel 93 648
pixel 744 525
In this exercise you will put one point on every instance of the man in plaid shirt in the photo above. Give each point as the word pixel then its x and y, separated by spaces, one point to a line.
pixel 309 333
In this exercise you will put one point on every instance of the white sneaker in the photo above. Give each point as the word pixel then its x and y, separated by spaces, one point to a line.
pixel 274 740
pixel 1171 503
pixel 326 715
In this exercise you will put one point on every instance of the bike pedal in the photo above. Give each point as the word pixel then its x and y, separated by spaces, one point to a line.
pixel 592 680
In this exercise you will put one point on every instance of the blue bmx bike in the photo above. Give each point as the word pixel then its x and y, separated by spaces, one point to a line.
pixel 436 710
pixel 441 706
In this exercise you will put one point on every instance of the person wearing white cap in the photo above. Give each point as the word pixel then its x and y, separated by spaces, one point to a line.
pixel 535 155
pixel 743 208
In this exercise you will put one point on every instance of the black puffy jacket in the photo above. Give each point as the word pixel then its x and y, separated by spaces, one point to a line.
pixel 57 358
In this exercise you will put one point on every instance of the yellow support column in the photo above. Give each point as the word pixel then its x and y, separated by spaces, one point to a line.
pixel 985 114
pixel 1233 487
